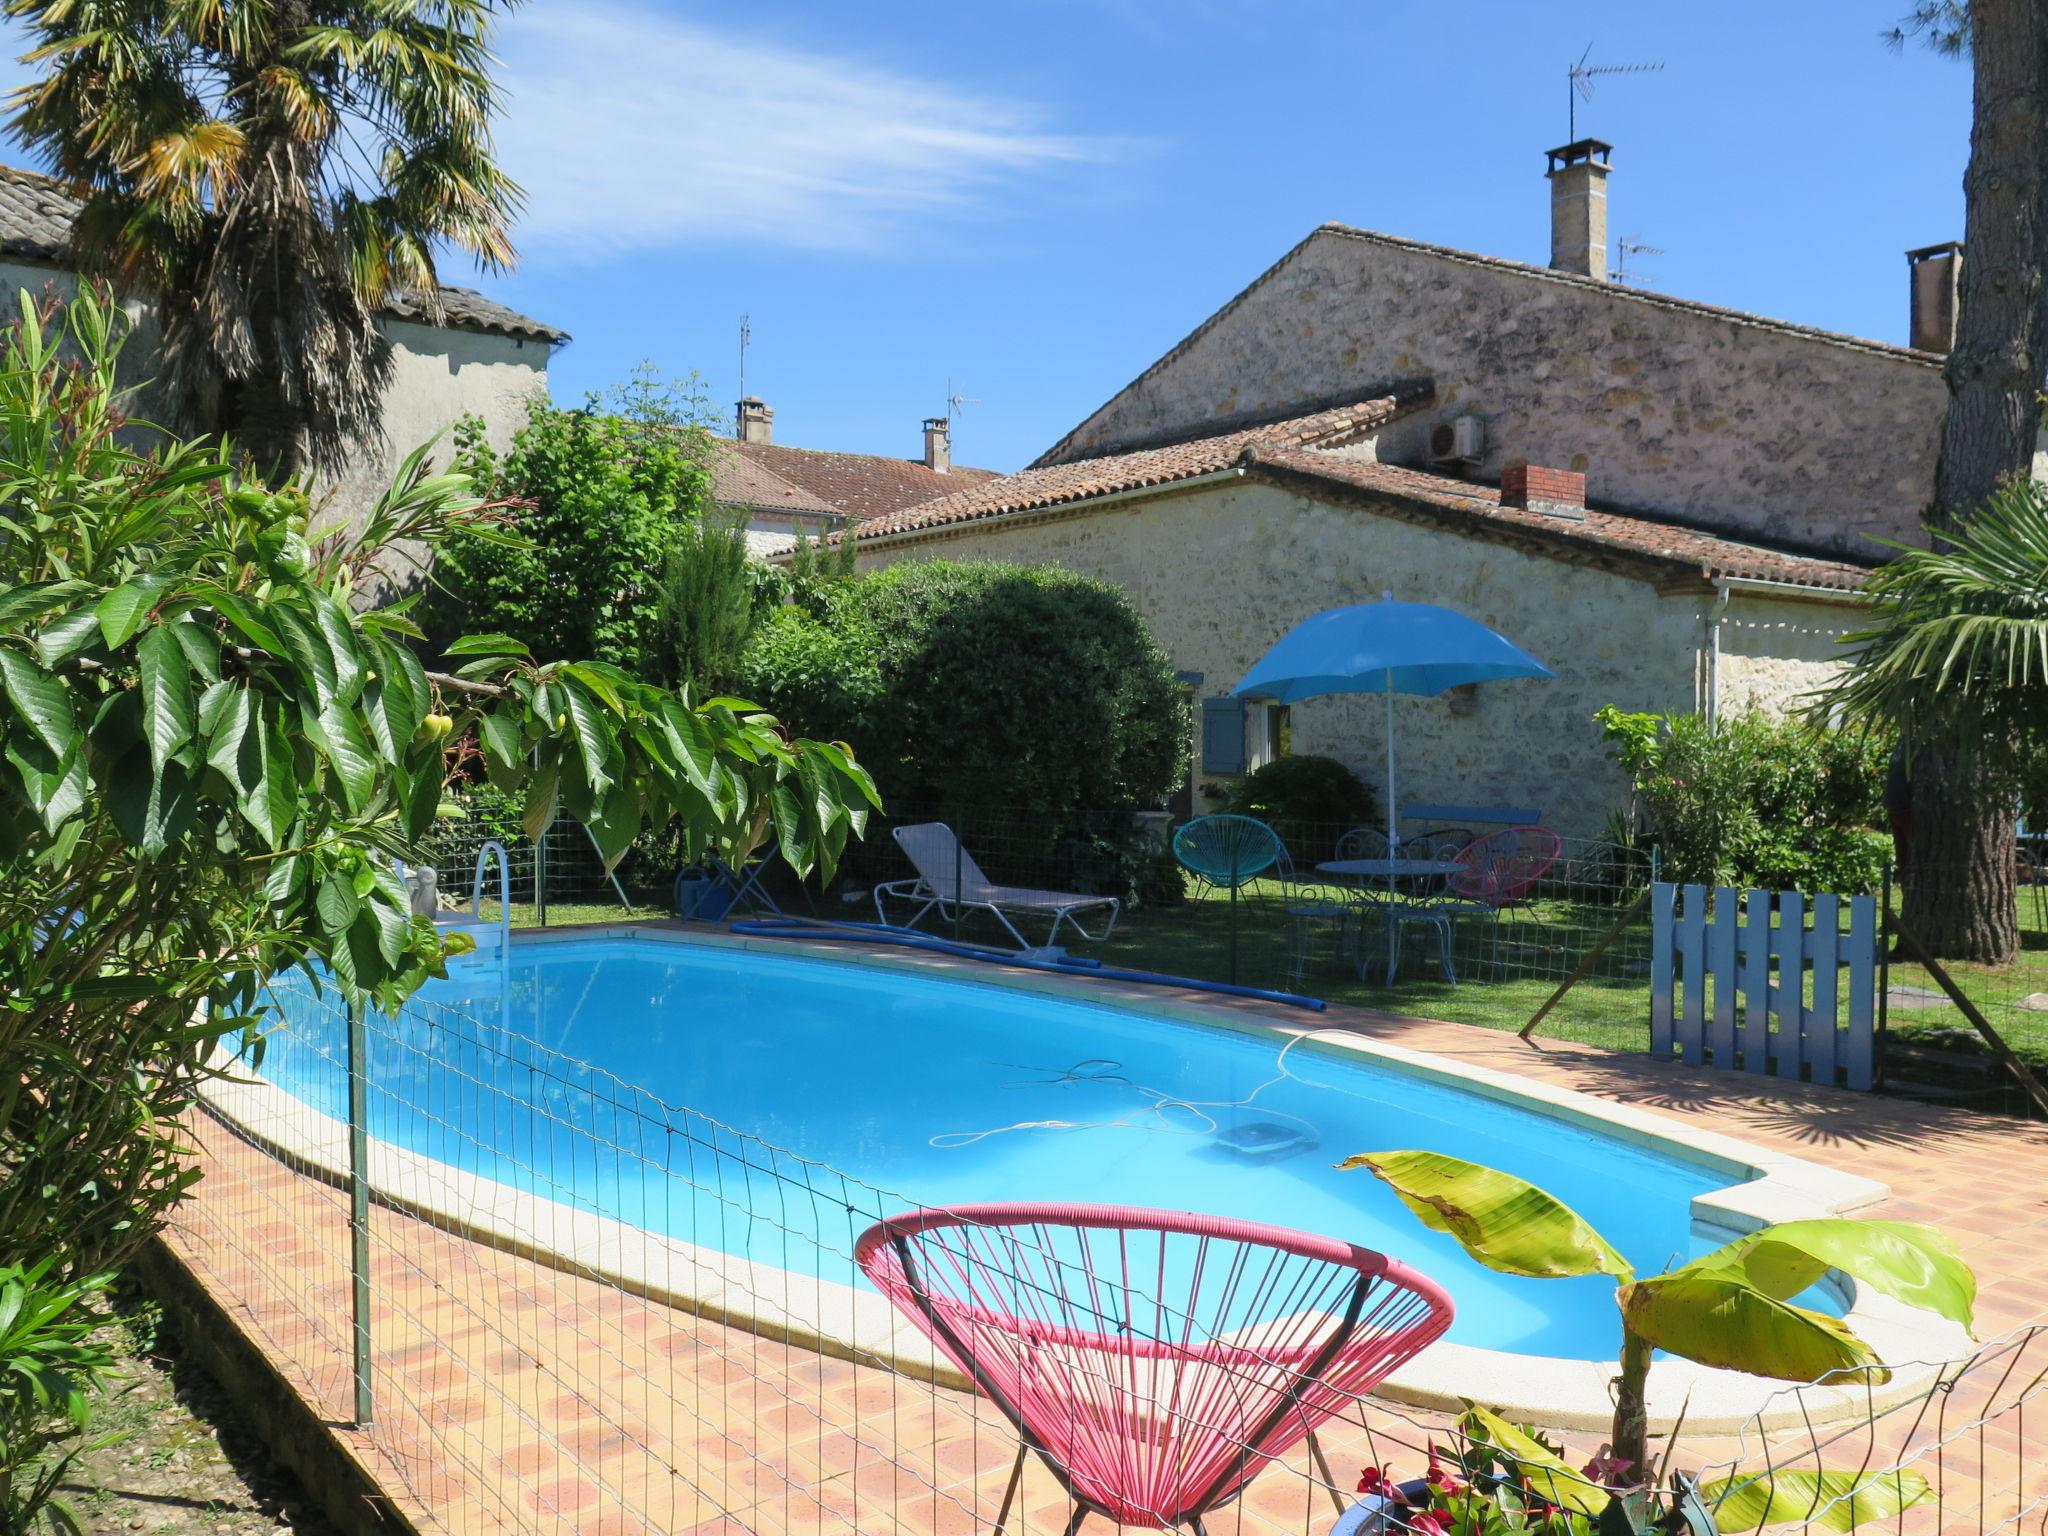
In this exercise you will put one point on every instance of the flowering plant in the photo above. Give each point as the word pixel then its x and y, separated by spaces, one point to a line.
pixel 1503 1479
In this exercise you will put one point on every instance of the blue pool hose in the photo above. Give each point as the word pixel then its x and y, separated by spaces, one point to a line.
pixel 1056 961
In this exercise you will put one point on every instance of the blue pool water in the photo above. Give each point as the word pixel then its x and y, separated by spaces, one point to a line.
pixel 822 1094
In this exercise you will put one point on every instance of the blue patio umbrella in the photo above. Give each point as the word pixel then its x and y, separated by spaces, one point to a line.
pixel 1385 647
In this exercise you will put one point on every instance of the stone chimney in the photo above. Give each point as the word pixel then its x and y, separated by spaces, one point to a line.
pixel 938 444
pixel 1578 207
pixel 1935 272
pixel 756 420
pixel 1553 492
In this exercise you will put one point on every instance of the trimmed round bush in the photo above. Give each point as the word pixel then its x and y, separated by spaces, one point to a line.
pixel 1022 690
pixel 1309 801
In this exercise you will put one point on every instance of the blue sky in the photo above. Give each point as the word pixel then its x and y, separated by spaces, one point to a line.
pixel 1038 197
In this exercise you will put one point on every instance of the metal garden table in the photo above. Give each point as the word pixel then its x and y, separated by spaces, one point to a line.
pixel 1394 872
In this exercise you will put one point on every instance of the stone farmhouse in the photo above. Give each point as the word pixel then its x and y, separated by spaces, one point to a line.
pixel 780 491
pixel 1670 503
pixel 481 358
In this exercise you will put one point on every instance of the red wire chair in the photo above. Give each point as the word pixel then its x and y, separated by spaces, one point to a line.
pixel 1152 1411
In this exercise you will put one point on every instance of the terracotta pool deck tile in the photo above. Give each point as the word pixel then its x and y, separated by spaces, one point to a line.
pixel 516 1397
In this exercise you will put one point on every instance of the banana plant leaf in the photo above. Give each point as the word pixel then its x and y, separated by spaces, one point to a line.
pixel 1716 1318
pixel 1506 1223
pixel 1909 1262
pixel 1819 1500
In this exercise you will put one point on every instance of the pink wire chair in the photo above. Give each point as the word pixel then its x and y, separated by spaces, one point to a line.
pixel 1492 872
pixel 1502 867
pixel 1156 1361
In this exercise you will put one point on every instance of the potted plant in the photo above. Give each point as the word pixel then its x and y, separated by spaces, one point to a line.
pixel 1730 1309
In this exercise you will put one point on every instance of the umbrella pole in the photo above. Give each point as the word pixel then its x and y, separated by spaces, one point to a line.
pixel 1393 829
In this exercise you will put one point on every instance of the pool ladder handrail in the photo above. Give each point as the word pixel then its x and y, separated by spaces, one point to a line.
pixel 476 893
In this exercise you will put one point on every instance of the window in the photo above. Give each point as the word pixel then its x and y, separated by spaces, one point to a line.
pixel 1269 733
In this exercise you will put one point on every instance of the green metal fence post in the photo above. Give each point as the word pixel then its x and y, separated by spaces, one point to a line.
pixel 540 880
pixel 359 1202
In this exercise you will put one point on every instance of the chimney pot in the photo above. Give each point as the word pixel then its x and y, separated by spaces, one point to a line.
pixel 1578 207
pixel 756 420
pixel 938 444
pixel 1553 492
pixel 1935 273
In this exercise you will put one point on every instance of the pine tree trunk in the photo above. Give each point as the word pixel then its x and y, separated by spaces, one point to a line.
pixel 1960 894
pixel 1959 874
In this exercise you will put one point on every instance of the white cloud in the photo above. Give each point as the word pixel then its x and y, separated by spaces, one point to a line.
pixel 634 130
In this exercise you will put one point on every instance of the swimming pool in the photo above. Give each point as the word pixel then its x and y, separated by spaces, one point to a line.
pixel 822 1094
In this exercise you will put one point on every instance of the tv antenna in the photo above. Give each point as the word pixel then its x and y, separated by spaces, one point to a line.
pixel 1580 78
pixel 746 335
pixel 954 402
pixel 1625 247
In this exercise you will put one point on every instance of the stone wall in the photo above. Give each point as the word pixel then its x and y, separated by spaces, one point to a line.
pixel 1223 571
pixel 1729 422
pixel 439 375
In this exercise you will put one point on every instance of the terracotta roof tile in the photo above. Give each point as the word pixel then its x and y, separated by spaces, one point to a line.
pixel 862 485
pixel 1294 452
pixel 739 481
pixel 1160 465
pixel 1682 552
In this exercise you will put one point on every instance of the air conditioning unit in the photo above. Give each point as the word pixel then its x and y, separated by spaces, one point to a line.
pixel 1461 440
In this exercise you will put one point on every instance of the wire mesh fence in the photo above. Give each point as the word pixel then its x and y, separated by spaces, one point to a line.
pixel 1422 937
pixel 573 1306
pixel 1416 944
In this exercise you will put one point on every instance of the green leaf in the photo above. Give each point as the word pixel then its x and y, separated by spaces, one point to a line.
pixel 339 736
pixel 54 786
pixel 340 636
pixel 1554 1479
pixel 125 610
pixel 1716 1318
pixel 1504 1222
pixel 166 695
pixel 487 645
pixel 1828 1500
pixel 19 605
pixel 272 805
pixel 541 795
pixel 1907 1261
pixel 504 753
pixel 40 699
pixel 235 746
pixel 419 791
pixel 595 744
pixel 65 637
pixel 337 904
pixel 306 649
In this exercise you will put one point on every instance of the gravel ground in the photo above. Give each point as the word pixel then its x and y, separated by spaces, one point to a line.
pixel 185 1462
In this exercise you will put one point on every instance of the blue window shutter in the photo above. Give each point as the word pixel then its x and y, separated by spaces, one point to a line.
pixel 1222 736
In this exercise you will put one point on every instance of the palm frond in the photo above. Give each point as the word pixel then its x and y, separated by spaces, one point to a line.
pixel 1958 642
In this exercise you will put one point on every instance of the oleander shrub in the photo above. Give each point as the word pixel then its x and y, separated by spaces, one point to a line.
pixel 1755 801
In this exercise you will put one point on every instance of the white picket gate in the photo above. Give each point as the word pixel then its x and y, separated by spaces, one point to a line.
pixel 1765 981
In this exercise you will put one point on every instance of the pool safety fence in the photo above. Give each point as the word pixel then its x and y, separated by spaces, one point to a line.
pixel 529 1296
pixel 1416 945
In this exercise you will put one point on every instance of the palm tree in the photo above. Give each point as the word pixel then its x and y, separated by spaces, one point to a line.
pixel 271 173
pixel 1957 655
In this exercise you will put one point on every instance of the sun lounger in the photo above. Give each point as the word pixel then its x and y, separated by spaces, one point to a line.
pixel 949 882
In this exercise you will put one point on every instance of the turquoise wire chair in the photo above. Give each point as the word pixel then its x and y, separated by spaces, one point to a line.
pixel 1229 851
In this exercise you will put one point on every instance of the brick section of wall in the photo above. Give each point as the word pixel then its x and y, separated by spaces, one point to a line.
pixel 1533 488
